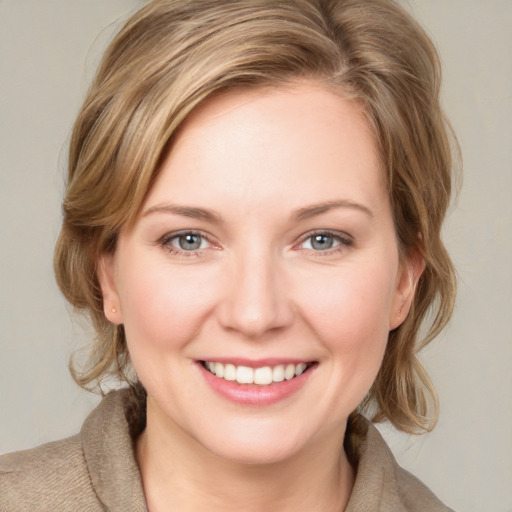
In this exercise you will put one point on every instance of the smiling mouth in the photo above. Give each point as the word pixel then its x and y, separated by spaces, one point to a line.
pixel 262 376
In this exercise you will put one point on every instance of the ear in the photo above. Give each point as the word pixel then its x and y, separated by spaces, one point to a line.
pixel 411 268
pixel 106 278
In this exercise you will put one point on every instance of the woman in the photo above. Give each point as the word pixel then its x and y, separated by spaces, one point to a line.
pixel 252 221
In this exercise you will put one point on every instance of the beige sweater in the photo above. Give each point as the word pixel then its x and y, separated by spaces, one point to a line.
pixel 96 471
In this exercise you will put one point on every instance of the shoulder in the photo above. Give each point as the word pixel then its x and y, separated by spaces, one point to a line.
pixel 53 476
pixel 93 471
pixel 416 496
pixel 381 484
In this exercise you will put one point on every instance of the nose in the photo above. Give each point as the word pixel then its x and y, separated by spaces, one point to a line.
pixel 256 299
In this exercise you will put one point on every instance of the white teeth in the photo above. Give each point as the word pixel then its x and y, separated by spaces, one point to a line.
pixel 244 375
pixel 278 373
pixel 300 369
pixel 289 373
pixel 262 376
pixel 230 372
pixel 219 369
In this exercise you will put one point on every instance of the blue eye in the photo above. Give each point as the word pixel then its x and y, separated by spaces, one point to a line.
pixel 320 242
pixel 187 241
pixel 324 242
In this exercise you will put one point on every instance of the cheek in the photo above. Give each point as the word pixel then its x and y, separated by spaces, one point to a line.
pixel 350 305
pixel 163 308
pixel 349 315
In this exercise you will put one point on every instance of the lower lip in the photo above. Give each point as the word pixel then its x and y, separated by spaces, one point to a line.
pixel 252 394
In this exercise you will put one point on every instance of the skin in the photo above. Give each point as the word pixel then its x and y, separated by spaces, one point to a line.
pixel 258 288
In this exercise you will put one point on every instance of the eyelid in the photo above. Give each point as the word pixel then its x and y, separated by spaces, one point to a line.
pixel 175 234
pixel 345 241
pixel 165 242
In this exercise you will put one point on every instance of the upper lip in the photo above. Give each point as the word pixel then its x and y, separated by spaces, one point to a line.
pixel 256 363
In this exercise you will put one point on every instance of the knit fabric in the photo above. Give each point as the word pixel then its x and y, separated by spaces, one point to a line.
pixel 96 470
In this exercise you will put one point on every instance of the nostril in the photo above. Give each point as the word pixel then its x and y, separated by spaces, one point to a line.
pixel 255 317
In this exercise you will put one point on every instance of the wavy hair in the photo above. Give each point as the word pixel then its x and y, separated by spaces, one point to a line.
pixel 172 55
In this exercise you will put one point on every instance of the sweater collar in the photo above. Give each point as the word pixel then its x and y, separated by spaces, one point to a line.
pixel 109 454
pixel 108 447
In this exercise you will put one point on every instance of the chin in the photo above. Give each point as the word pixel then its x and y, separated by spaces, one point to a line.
pixel 257 443
pixel 255 454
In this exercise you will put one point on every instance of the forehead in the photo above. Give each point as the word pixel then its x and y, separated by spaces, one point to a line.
pixel 316 107
pixel 302 138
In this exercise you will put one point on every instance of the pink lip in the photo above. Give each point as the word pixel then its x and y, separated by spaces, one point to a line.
pixel 256 363
pixel 252 394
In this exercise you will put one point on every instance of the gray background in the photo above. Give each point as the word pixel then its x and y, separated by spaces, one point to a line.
pixel 48 51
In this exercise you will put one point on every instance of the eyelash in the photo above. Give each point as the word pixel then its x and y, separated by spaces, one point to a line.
pixel 166 243
pixel 343 241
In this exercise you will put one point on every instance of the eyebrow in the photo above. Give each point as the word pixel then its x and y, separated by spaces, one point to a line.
pixel 299 214
pixel 317 209
pixel 185 211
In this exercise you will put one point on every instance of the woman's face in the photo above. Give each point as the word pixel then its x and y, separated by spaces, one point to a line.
pixel 266 248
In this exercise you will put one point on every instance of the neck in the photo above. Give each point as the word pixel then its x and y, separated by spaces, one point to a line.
pixel 177 471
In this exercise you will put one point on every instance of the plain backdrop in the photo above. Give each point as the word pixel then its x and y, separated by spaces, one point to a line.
pixel 49 50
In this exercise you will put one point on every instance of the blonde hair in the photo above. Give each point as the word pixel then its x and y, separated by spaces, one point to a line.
pixel 172 55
